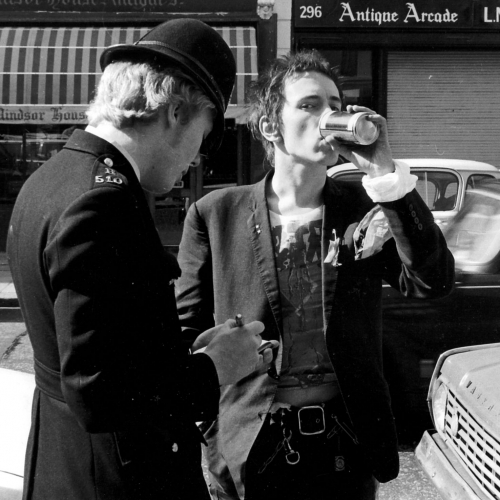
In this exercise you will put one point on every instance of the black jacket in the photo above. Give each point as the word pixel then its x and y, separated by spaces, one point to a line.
pixel 117 393
pixel 228 267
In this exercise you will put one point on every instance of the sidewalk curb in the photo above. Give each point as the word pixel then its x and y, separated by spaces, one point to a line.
pixel 9 302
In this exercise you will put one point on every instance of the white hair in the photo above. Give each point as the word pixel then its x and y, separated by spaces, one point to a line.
pixel 131 91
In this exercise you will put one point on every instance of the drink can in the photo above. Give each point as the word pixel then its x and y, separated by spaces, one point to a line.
pixel 351 128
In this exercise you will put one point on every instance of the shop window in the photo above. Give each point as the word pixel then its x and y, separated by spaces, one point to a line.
pixel 170 212
pixel 22 150
pixel 355 68
pixel 220 168
pixel 217 171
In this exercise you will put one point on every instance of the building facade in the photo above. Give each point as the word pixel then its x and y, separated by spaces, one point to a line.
pixel 432 67
pixel 49 69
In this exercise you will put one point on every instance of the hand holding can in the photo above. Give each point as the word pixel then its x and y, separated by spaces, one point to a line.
pixel 346 127
pixel 360 136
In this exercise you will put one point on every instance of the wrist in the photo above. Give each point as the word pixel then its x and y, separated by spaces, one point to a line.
pixel 380 171
pixel 392 186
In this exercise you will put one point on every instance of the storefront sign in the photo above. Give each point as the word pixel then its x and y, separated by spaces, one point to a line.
pixel 173 6
pixel 436 14
pixel 488 14
pixel 46 115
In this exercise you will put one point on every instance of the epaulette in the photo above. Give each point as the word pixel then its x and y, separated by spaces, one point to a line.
pixel 106 175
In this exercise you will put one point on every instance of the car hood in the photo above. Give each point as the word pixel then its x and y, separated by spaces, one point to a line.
pixel 474 375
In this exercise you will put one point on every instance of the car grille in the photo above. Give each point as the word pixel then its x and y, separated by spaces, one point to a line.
pixel 475 446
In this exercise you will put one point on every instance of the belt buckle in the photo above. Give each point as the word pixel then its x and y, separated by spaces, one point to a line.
pixel 311 420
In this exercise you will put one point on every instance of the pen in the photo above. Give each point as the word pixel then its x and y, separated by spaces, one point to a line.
pixel 239 320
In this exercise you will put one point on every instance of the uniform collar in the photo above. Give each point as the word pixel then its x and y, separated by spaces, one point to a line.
pixel 103 135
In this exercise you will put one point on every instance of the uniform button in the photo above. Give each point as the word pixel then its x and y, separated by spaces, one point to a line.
pixel 417 220
pixel 410 206
pixel 258 231
pixel 420 226
pixel 175 448
pixel 413 213
pixel 108 162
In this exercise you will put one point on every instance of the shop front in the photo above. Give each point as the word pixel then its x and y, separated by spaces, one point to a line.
pixel 432 67
pixel 49 69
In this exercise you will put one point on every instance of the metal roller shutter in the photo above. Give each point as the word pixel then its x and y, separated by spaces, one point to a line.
pixel 444 105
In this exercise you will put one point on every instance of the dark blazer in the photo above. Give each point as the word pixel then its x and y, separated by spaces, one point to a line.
pixel 228 267
pixel 117 392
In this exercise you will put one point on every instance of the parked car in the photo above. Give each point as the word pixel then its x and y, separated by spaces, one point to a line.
pixel 417 331
pixel 442 183
pixel 474 235
pixel 16 396
pixel 462 455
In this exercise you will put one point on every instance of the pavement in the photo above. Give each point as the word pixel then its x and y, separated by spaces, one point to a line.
pixel 8 296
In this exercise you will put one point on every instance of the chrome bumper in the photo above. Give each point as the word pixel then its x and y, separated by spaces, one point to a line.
pixel 447 473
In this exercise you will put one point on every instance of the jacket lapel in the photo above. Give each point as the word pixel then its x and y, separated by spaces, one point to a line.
pixel 259 229
pixel 332 234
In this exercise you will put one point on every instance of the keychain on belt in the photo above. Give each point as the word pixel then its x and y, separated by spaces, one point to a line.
pixel 292 456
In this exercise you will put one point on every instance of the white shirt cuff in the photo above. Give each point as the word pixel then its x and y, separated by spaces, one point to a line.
pixel 390 187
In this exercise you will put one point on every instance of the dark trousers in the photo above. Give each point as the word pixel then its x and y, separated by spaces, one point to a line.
pixel 329 465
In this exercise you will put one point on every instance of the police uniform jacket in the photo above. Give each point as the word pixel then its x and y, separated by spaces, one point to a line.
pixel 117 394
pixel 228 267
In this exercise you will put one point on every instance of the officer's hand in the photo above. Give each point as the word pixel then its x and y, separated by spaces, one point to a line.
pixel 375 159
pixel 205 338
pixel 234 350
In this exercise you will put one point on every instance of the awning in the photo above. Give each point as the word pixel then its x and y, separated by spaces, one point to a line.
pixel 48 75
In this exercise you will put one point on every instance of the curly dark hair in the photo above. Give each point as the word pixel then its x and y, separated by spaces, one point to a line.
pixel 266 94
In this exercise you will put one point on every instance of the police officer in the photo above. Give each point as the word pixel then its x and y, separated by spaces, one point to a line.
pixel 117 392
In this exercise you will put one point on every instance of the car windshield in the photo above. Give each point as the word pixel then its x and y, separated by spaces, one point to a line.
pixel 474 234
